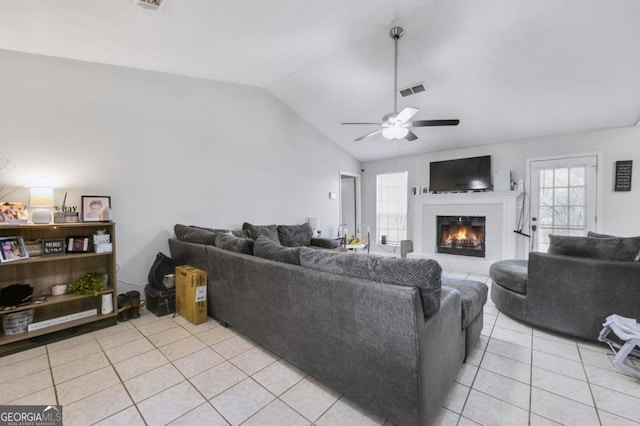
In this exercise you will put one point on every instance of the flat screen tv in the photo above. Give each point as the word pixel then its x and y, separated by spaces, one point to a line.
pixel 465 174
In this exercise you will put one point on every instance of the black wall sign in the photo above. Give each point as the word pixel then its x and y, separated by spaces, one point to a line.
pixel 623 175
pixel 55 246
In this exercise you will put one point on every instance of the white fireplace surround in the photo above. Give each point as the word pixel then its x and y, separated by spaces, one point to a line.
pixel 501 210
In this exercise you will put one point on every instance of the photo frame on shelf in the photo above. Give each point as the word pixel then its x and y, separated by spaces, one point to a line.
pixel 92 205
pixel 12 248
pixel 13 213
pixel 78 245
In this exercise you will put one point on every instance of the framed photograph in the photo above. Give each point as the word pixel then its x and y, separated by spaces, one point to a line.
pixel 424 190
pixel 14 213
pixel 78 245
pixel 12 248
pixel 414 190
pixel 34 247
pixel 91 206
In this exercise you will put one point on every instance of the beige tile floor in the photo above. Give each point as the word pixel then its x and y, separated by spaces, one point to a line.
pixel 165 370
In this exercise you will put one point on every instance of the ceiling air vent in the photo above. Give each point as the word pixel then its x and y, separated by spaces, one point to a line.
pixel 151 4
pixel 413 89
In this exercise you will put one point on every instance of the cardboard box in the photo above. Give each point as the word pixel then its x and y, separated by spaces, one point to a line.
pixel 191 294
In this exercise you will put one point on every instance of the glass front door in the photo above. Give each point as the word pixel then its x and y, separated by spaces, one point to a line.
pixel 563 198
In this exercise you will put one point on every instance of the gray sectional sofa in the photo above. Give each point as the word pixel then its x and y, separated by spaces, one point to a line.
pixel 382 331
pixel 574 287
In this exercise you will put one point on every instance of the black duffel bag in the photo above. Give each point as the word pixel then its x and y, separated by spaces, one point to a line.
pixel 161 266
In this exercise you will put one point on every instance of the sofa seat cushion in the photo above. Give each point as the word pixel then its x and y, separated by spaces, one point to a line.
pixel 269 231
pixel 265 248
pixel 473 295
pixel 233 243
pixel 596 247
pixel 295 235
pixel 422 273
pixel 511 274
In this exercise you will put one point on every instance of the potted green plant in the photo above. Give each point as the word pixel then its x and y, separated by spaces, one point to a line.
pixel 91 283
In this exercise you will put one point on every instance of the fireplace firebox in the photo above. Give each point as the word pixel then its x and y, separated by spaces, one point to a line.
pixel 461 235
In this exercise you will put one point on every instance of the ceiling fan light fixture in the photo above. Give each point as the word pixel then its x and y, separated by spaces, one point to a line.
pixel 396 125
pixel 395 132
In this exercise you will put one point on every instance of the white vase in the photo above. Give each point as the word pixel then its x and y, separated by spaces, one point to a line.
pixel 107 304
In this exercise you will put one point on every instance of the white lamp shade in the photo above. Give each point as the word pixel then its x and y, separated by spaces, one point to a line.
pixel 41 197
pixel 395 132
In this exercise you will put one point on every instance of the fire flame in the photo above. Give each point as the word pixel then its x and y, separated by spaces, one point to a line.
pixel 463 234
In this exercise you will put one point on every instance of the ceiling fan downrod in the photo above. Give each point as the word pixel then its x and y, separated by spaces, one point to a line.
pixel 395 34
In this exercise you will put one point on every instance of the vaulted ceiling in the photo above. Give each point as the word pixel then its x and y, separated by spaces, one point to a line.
pixel 508 69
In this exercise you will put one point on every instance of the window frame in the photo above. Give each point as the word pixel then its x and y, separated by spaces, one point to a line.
pixel 392 197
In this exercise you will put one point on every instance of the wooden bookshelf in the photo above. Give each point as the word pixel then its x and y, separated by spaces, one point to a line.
pixel 42 272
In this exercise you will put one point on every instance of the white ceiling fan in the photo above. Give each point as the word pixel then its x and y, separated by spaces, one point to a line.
pixel 396 125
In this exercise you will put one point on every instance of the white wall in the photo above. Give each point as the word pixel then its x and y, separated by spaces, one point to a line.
pixel 620 209
pixel 167 149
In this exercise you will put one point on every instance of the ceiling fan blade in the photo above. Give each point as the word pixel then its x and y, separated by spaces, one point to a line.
pixel 411 136
pixel 425 123
pixel 406 114
pixel 368 135
pixel 359 123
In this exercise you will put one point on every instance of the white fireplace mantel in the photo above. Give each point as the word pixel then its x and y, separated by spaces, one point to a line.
pixel 501 209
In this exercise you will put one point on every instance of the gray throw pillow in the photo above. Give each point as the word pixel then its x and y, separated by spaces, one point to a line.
pixel 265 248
pixel 422 273
pixel 237 233
pixel 233 243
pixel 240 233
pixel 295 235
pixel 621 249
pixel 269 231
pixel 192 234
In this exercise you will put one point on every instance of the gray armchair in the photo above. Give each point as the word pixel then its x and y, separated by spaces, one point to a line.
pixel 565 293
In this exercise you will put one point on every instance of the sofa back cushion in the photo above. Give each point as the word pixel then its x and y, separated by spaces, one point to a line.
pixel 596 235
pixel 192 234
pixel 267 249
pixel 233 243
pixel 295 235
pixel 200 235
pixel 600 247
pixel 269 231
pixel 422 273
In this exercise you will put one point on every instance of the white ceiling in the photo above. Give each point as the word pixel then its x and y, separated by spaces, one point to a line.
pixel 508 69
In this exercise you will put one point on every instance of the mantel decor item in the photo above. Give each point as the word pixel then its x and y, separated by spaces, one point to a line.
pixel 92 205
pixel 12 248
